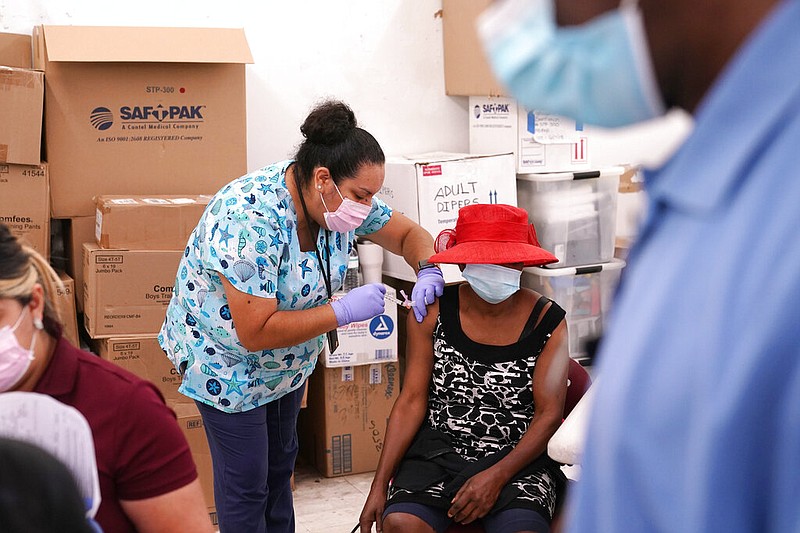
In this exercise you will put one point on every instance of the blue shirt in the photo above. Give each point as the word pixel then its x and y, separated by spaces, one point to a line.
pixel 248 234
pixel 696 424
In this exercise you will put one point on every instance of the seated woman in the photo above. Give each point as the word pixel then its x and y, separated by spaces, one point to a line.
pixel 483 392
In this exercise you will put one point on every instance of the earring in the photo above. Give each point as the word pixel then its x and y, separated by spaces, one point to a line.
pixel 319 187
pixel 37 323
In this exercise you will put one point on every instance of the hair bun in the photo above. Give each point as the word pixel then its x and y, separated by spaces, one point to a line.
pixel 329 123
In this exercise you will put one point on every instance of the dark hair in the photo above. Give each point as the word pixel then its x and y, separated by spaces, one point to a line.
pixel 334 141
pixel 38 493
pixel 21 267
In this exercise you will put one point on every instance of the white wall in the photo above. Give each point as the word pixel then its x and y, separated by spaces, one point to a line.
pixel 384 58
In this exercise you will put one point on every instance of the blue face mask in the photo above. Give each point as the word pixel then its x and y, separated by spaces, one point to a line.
pixel 599 73
pixel 493 283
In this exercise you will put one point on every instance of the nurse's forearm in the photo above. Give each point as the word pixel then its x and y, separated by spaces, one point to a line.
pixel 289 328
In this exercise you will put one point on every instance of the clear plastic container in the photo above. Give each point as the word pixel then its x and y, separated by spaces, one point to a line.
pixel 585 293
pixel 352 278
pixel 574 213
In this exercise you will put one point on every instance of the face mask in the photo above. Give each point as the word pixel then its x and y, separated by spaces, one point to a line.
pixel 493 283
pixel 347 217
pixel 14 359
pixel 599 73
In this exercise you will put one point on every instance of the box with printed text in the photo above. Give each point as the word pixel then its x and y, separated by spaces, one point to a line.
pixel 141 111
pixel 25 204
pixel 431 188
pixel 366 342
pixel 126 292
pixel 540 142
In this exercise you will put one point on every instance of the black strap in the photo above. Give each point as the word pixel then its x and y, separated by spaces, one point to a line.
pixel 530 325
pixel 333 336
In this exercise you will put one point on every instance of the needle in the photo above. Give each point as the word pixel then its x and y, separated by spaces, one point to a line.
pixel 407 304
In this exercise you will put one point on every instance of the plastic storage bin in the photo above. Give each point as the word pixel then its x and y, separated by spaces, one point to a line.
pixel 575 213
pixel 585 293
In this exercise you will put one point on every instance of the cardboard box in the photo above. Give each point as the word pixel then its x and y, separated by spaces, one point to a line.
pixel 141 111
pixel 540 142
pixel 191 424
pixel 81 230
pixel 143 356
pixel 344 426
pixel 431 188
pixel 126 292
pixel 21 106
pixel 16 50
pixel 66 303
pixel 366 342
pixel 466 69
pixel 25 204
pixel 161 222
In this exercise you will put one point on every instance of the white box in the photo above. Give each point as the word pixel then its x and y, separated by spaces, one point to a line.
pixel 366 342
pixel 431 188
pixel 540 142
pixel 585 293
pixel 574 213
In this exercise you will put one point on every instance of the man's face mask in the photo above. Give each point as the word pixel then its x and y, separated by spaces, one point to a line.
pixel 599 73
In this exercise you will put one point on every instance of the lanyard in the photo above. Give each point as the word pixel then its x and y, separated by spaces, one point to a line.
pixel 333 337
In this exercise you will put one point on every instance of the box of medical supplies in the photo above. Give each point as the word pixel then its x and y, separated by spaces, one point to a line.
pixel 466 69
pixel 143 356
pixel 342 430
pixel 21 106
pixel 66 307
pixel 126 292
pixel 155 222
pixel 431 188
pixel 368 341
pixel 575 213
pixel 191 423
pixel 585 293
pixel 25 204
pixel 540 142
pixel 141 111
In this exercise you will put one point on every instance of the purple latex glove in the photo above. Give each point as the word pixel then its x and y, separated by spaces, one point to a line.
pixel 429 286
pixel 360 303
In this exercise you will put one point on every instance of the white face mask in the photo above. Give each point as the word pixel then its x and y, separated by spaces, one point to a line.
pixel 14 359
pixel 599 72
pixel 347 217
pixel 493 283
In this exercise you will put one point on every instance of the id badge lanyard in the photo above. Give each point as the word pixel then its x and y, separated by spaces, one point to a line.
pixel 333 336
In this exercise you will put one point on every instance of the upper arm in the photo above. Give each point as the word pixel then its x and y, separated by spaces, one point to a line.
pixel 182 509
pixel 395 231
pixel 550 374
pixel 419 355
pixel 248 312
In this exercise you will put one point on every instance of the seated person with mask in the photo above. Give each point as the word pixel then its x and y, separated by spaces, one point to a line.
pixel 483 392
pixel 148 480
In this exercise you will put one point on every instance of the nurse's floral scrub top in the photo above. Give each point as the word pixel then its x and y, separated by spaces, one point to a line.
pixel 248 233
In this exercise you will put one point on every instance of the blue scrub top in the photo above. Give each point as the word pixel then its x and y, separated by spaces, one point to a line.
pixel 696 424
pixel 248 234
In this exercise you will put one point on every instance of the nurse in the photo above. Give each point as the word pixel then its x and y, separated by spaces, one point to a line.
pixel 251 306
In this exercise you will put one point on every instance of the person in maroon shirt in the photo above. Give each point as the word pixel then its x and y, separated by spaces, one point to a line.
pixel 148 480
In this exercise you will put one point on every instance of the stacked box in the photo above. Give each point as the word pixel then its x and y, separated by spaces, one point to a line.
pixel 141 111
pixel 367 341
pixel 574 213
pixel 344 426
pixel 431 188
